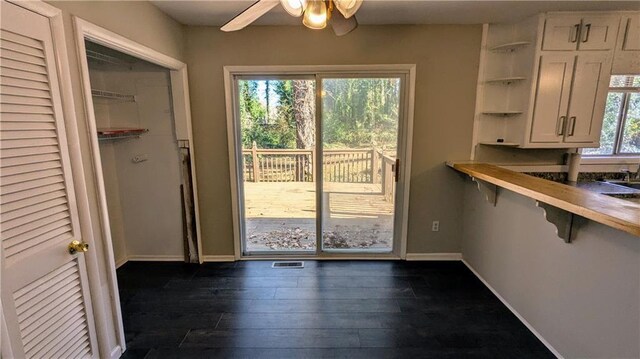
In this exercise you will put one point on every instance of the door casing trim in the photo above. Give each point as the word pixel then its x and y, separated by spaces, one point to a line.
pixel 85 30
pixel 406 139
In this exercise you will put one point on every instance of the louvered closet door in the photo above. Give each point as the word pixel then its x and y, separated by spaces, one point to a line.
pixel 45 295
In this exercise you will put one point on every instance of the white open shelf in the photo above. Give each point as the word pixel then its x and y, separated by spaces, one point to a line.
pixel 510 47
pixel 506 144
pixel 501 113
pixel 506 80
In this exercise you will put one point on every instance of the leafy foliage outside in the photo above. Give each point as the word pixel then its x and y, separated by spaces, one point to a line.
pixel 360 112
pixel 259 123
pixel 631 135
pixel 622 109
pixel 609 125
pixel 357 113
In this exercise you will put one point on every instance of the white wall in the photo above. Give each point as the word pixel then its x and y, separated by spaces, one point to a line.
pixel 582 297
pixel 143 198
pixel 101 110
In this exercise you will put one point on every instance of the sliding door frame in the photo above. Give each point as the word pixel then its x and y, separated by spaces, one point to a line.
pixel 406 73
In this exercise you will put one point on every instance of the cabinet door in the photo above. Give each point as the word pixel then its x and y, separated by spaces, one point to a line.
pixel 588 97
pixel 631 33
pixel 561 33
pixel 598 32
pixel 552 98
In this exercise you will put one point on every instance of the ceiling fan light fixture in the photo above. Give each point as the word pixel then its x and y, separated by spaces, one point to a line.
pixel 315 15
pixel 347 7
pixel 294 7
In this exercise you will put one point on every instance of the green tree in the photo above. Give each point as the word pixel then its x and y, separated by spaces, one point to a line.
pixel 258 124
pixel 361 112
pixel 357 113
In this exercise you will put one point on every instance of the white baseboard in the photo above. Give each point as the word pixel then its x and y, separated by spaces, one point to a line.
pixel 121 262
pixel 116 352
pixel 155 258
pixel 434 256
pixel 520 317
pixel 221 258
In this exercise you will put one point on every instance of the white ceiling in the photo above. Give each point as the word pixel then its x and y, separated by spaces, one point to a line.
pixel 384 12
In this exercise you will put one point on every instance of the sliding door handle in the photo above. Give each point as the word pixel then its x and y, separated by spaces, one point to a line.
pixel 572 125
pixel 586 33
pixel 396 169
pixel 560 126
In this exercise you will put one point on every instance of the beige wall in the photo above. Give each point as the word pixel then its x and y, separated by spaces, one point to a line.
pixel 138 21
pixel 447 69
pixel 582 297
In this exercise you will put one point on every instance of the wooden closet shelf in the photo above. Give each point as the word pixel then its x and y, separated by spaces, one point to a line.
pixel 120 133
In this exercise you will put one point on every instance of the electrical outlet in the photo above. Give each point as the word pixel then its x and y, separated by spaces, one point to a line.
pixel 435 226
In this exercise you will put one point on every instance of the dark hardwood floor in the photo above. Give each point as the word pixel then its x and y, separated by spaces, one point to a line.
pixel 329 309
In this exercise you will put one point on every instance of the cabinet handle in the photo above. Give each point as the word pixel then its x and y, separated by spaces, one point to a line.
pixel 576 31
pixel 560 126
pixel 586 34
pixel 572 125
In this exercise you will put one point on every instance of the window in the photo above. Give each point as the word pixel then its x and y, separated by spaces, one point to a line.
pixel 621 126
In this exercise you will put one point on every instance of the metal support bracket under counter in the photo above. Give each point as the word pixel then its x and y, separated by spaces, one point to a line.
pixel 562 204
pixel 489 190
pixel 561 219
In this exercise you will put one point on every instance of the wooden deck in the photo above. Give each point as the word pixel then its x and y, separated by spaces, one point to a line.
pixel 356 215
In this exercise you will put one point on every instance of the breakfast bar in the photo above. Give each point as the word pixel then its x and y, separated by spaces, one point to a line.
pixel 556 199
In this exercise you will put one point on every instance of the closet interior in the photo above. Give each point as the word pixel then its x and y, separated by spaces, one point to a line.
pixel 145 169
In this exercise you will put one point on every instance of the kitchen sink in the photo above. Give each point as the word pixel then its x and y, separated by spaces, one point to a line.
pixel 630 184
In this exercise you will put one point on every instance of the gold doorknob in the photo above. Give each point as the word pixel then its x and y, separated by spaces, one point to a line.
pixel 78 246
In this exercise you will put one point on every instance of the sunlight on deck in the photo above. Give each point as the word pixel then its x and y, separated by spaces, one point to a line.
pixel 298 200
pixel 281 216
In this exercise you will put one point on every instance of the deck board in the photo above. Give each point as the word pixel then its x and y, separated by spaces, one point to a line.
pixel 357 212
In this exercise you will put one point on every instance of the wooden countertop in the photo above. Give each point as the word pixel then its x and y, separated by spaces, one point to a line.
pixel 610 211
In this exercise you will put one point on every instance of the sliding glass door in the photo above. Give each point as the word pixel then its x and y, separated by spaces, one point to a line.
pixel 277 132
pixel 360 117
pixel 319 154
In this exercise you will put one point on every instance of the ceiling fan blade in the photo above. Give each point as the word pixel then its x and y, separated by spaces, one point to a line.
pixel 342 26
pixel 251 14
pixel 348 8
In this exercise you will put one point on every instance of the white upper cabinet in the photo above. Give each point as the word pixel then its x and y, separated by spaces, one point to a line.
pixel 570 98
pixel 598 32
pixel 563 77
pixel 631 35
pixel 552 98
pixel 627 52
pixel 561 33
pixel 575 32
pixel 588 97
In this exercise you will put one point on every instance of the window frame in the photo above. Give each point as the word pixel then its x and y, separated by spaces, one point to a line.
pixel 617 156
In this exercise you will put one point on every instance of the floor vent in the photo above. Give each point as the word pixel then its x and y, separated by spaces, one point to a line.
pixel 288 265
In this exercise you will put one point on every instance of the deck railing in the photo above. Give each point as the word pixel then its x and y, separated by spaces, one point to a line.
pixel 362 165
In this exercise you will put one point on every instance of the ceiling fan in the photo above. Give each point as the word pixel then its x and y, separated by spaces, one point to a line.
pixel 315 14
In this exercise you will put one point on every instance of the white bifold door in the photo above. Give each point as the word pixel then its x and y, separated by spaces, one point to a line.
pixel 45 295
